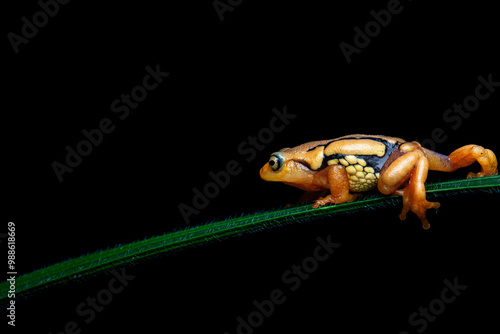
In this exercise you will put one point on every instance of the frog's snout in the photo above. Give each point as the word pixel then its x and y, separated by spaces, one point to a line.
pixel 263 171
pixel 266 173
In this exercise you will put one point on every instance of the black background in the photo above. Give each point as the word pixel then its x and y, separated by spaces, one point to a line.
pixel 225 79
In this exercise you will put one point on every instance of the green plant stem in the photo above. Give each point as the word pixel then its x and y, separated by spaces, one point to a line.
pixel 121 255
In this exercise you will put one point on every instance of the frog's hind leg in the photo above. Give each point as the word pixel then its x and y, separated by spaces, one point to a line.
pixel 408 170
pixel 463 157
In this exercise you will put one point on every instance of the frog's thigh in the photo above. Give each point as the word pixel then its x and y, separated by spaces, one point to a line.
pixel 398 172
pixel 338 183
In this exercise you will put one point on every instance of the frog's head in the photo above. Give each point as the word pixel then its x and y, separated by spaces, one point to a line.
pixel 281 167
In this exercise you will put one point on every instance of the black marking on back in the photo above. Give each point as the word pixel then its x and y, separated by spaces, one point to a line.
pixel 353 137
pixel 373 161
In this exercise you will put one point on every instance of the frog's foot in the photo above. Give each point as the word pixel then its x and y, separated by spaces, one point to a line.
pixel 416 202
pixel 346 198
pixel 488 162
pixel 467 155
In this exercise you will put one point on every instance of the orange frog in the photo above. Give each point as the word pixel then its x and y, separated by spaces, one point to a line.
pixel 356 163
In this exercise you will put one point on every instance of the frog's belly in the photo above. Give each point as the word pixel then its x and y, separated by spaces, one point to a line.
pixel 362 177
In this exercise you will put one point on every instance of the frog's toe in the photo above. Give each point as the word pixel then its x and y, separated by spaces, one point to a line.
pixel 481 174
pixel 318 202
pixel 472 175
pixel 345 198
pixel 421 209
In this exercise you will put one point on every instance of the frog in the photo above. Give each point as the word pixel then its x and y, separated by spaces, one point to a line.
pixel 353 164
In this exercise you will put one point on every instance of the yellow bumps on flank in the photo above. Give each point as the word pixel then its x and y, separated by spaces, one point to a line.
pixel 361 178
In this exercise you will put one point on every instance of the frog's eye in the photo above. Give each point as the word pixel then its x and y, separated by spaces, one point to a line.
pixel 276 161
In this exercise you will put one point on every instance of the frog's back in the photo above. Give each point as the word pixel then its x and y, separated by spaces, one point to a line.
pixel 362 155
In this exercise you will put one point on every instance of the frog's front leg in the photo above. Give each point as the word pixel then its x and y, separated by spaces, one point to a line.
pixel 335 178
pixel 412 165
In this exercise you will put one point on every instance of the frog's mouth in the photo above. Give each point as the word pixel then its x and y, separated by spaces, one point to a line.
pixel 267 174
